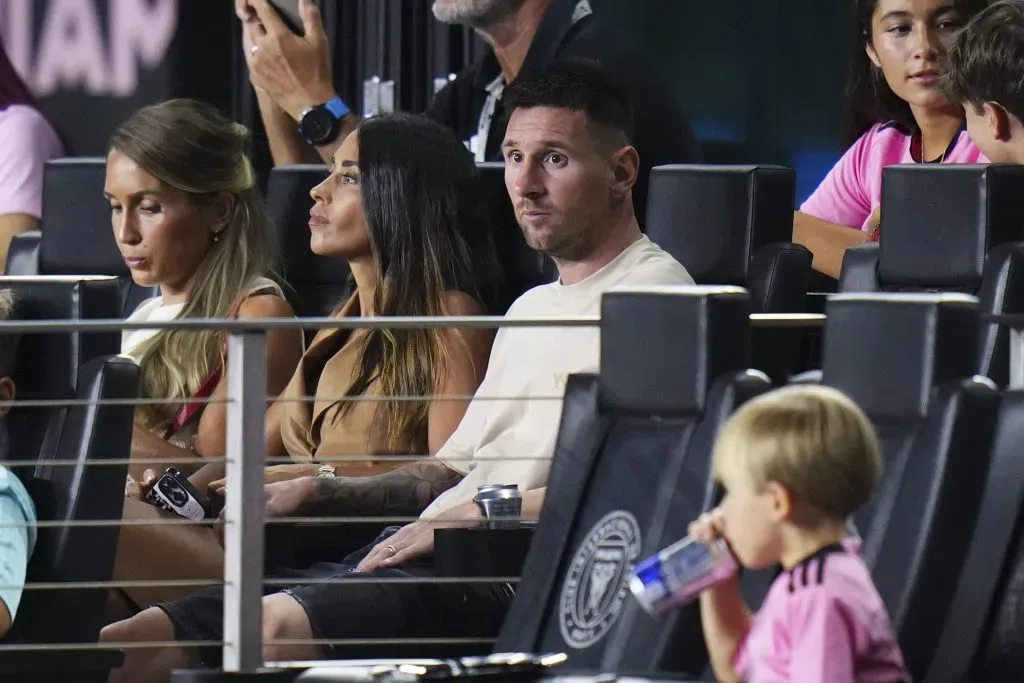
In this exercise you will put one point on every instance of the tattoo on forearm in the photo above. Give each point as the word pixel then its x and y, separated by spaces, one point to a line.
pixel 407 490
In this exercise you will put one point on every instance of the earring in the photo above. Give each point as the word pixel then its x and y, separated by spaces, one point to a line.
pixel 216 237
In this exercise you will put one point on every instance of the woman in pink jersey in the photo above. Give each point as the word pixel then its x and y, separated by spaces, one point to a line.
pixel 897 115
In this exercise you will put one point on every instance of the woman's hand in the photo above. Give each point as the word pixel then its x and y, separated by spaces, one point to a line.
pixel 417 539
pixel 274 473
pixel 138 490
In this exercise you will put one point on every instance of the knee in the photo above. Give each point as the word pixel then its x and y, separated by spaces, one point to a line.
pixel 151 624
pixel 285 619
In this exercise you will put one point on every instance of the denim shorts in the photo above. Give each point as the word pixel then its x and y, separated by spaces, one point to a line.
pixel 17 539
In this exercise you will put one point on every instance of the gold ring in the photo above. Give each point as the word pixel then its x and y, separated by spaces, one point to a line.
pixel 391 549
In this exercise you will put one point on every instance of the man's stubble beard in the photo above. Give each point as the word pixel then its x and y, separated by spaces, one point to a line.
pixel 476 14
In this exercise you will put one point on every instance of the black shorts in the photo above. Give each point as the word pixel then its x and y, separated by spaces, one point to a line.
pixel 341 610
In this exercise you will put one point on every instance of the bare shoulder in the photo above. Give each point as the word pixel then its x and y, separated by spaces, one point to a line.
pixel 456 303
pixel 265 306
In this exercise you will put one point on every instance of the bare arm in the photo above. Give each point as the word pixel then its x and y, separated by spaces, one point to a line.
pixel 407 490
pixel 11 225
pixel 828 242
pixel 725 620
pixel 5 619
pixel 469 353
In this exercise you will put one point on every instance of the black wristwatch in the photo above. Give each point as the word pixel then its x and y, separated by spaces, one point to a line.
pixel 320 125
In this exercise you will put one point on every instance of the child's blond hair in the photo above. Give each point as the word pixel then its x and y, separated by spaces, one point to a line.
pixel 812 440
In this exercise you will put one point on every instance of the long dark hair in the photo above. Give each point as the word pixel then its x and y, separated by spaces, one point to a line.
pixel 869 98
pixel 14 90
pixel 430 234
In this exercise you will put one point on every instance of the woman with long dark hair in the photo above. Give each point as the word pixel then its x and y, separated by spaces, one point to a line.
pixel 27 140
pixel 897 114
pixel 403 206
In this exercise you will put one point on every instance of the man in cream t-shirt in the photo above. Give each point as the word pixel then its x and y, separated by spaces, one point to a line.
pixel 569 169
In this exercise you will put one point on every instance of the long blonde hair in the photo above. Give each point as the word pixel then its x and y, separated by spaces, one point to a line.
pixel 191 146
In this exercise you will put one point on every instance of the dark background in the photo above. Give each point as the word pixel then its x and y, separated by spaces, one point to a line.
pixel 762 80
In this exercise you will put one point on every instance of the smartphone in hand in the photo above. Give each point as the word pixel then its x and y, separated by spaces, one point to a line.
pixel 288 10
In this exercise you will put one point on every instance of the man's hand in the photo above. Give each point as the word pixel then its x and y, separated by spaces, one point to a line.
pixel 295 71
pixel 284 498
pixel 417 539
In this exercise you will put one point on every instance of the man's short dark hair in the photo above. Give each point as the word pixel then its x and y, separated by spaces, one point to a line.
pixel 8 342
pixel 578 85
pixel 986 64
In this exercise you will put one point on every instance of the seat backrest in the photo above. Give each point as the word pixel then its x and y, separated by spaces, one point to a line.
pixel 713 219
pixel 47 364
pixel 318 283
pixel 985 623
pixel 908 361
pixel 75 233
pixel 631 468
pixel 940 221
pixel 83 489
pixel 524 267
pixel 733 225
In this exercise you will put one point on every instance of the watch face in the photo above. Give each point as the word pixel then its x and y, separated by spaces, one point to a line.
pixel 318 125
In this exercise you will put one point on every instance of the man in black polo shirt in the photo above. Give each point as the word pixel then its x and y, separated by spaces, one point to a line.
pixel 292 76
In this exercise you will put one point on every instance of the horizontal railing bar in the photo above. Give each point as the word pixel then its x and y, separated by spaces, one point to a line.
pixel 71 402
pixel 171 521
pixel 136 645
pixel 390 322
pixel 202 583
pixel 261 324
pixel 220 460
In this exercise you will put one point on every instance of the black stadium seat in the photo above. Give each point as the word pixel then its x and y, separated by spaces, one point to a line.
pixel 23 254
pixel 83 491
pixel 47 364
pixel 75 234
pixel 908 361
pixel 318 283
pixel 950 227
pixel 631 469
pixel 733 225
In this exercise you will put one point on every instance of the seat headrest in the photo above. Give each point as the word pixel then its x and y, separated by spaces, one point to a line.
pixel 524 267
pixel 662 347
pixel 47 364
pixel 888 351
pixel 940 220
pixel 712 219
pixel 77 238
pixel 289 202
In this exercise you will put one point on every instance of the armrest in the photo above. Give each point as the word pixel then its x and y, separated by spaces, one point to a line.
pixel 22 665
pixel 304 544
pixel 23 254
pixel 860 268
pixel 482 552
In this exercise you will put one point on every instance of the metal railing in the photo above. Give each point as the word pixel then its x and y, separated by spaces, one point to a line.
pixel 247 396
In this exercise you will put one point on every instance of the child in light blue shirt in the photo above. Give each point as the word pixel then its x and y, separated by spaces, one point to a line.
pixel 17 540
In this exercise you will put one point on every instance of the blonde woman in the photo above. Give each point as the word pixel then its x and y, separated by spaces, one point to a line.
pixel 187 218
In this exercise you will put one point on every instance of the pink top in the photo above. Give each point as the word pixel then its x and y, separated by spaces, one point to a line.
pixel 822 621
pixel 26 141
pixel 852 190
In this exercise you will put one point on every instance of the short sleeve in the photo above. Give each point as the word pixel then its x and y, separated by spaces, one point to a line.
pixel 17 538
pixel 844 197
pixel 823 635
pixel 28 141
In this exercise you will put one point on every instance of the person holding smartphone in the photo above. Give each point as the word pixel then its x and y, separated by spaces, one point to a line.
pixel 293 80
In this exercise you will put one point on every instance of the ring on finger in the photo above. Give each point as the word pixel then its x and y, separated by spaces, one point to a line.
pixel 391 550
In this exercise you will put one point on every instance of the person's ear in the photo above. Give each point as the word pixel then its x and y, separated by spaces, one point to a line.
pixel 6 394
pixel 221 209
pixel 625 166
pixel 780 501
pixel 872 55
pixel 998 120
